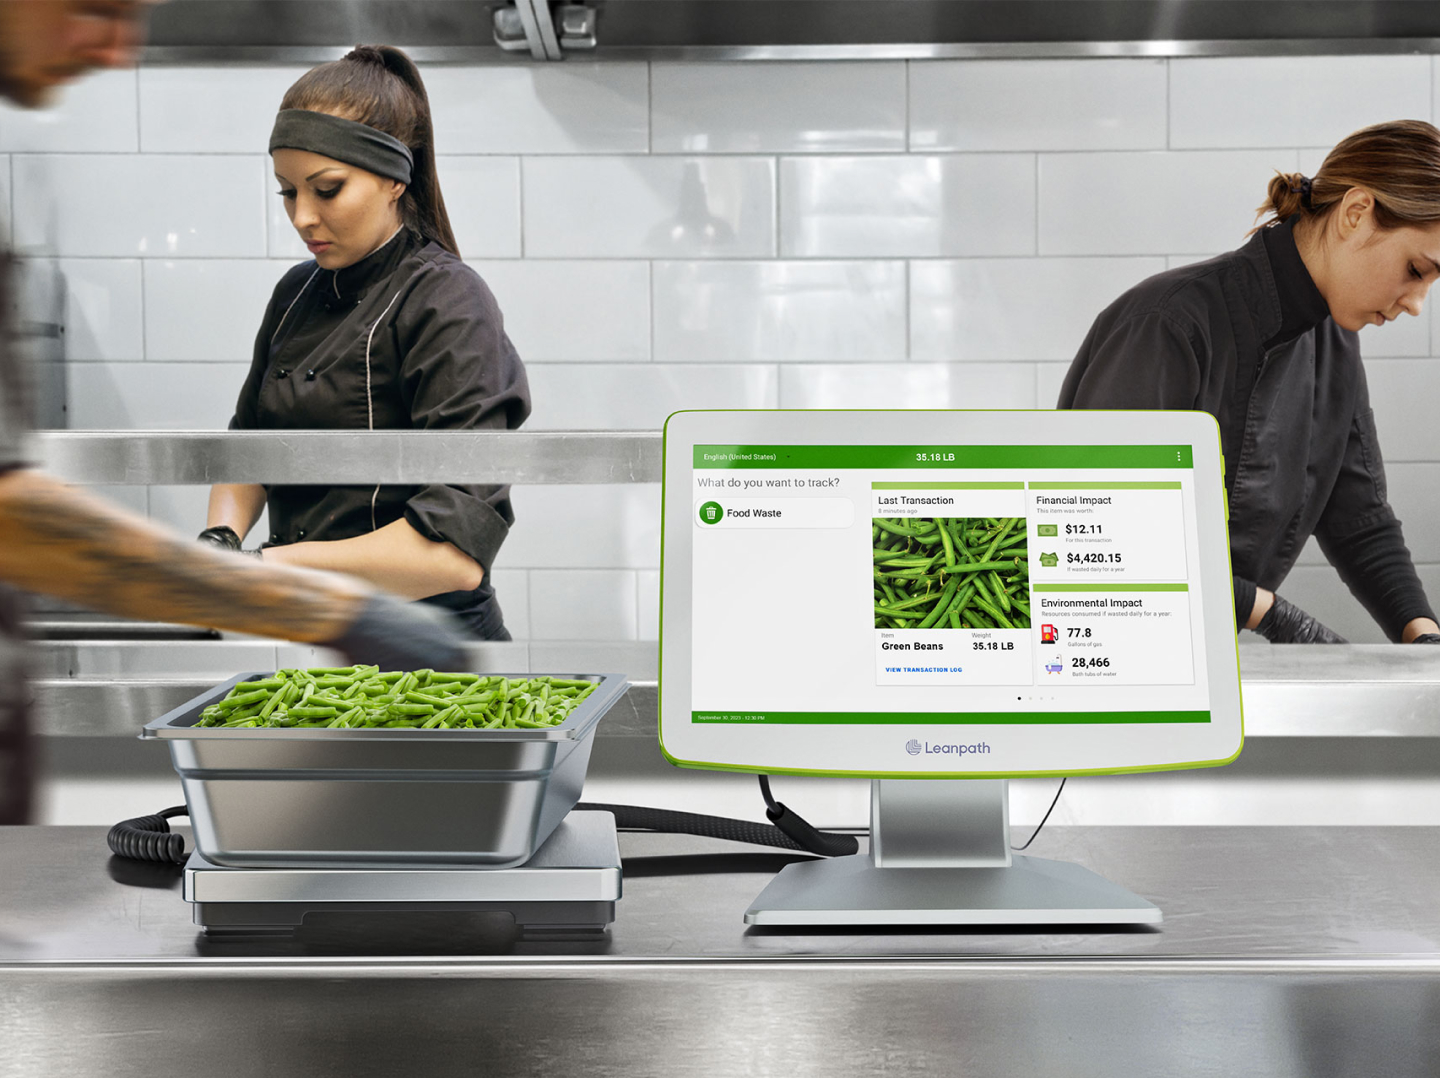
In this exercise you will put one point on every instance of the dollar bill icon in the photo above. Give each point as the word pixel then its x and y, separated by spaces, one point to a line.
pixel 1047 529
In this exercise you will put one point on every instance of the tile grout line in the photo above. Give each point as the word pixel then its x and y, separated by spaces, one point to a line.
pixel 1168 70
pixel 775 186
pixel 1037 206
pixel 909 130
pixel 144 317
pixel 520 199
pixel 909 313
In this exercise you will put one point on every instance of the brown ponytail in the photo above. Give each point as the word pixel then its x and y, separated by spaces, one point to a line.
pixel 378 85
pixel 1397 162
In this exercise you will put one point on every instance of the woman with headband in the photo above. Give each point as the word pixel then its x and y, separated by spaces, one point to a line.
pixel 1264 339
pixel 385 329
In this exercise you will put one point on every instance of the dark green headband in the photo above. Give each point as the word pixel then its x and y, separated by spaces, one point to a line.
pixel 344 140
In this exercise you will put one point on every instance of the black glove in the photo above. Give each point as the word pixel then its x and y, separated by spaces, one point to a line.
pixel 224 537
pixel 1427 638
pixel 396 635
pixel 1285 623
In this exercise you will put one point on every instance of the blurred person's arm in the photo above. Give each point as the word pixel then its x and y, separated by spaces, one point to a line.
pixel 59 541
pixel 236 506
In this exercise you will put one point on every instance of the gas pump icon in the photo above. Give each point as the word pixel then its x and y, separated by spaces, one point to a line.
pixel 711 512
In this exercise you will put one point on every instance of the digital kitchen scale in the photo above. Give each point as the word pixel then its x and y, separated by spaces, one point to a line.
pixel 569 887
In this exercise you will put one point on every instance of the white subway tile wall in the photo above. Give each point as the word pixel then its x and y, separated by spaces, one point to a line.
pixel 778 108
pixel 570 108
pixel 968 309
pixel 1152 203
pixel 1021 105
pixel 1291 100
pixel 138 395
pixel 780 311
pixel 190 110
pixel 97 300
pixel 570 310
pixel 96 115
pixel 139 205
pixel 484 206
pixel 916 205
pixel 186 322
pixel 911 385
pixel 649 207
pixel 669 235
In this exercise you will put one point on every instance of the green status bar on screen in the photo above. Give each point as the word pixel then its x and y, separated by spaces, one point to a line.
pixel 943 456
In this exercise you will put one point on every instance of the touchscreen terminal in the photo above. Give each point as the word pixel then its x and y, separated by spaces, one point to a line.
pixel 946 594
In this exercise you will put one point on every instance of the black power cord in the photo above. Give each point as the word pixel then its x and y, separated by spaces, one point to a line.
pixel 790 832
pixel 809 837
pixel 149 838
pixel 1041 824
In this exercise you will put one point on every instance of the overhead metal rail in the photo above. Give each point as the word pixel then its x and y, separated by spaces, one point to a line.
pixel 484 31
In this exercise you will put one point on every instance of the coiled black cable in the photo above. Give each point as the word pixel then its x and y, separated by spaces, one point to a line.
pixel 672 822
pixel 149 838
pixel 790 832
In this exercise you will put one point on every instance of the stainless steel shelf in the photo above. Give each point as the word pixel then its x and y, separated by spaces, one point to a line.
pixel 357 457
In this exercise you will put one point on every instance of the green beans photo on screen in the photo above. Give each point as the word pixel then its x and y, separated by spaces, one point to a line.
pixel 916 559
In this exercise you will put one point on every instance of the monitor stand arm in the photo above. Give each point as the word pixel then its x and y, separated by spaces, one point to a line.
pixel 940 855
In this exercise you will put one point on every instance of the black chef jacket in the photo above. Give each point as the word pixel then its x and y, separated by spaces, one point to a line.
pixel 408 338
pixel 16 765
pixel 1248 338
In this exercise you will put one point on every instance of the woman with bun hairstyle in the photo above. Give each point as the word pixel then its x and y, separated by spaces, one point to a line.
pixel 384 329
pixel 1264 339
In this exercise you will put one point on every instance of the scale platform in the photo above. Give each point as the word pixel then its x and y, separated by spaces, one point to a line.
pixel 571 885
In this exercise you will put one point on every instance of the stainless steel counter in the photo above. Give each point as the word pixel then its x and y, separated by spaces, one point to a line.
pixel 1285 951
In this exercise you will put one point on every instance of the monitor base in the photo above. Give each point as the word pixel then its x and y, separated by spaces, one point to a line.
pixel 1031 891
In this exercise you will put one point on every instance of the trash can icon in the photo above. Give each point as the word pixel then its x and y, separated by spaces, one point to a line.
pixel 711 512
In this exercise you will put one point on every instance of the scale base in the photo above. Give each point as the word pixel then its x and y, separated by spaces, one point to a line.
pixel 1032 891
pixel 569 887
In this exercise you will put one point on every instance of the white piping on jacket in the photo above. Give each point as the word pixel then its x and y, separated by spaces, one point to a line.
pixel 292 304
pixel 369 399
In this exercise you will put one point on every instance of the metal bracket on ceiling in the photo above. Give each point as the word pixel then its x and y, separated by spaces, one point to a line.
pixel 542 30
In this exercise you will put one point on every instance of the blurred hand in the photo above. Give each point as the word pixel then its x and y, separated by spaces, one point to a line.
pixel 396 635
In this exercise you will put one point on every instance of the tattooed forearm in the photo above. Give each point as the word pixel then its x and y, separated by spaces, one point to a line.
pixel 60 541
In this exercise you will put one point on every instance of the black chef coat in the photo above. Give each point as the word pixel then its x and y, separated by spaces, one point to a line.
pixel 1248 338
pixel 16 762
pixel 408 338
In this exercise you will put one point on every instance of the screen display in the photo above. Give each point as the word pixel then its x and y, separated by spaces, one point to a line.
pixel 993 602
pixel 1054 583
